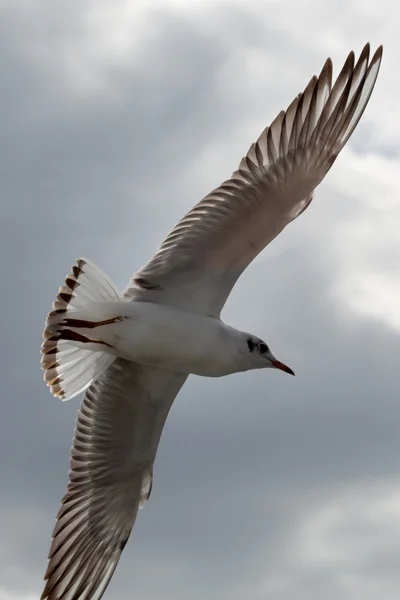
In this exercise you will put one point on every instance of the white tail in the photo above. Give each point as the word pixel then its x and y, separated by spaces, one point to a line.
pixel 73 359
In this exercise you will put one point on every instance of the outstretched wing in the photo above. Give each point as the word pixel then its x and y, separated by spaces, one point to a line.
pixel 202 258
pixel 118 429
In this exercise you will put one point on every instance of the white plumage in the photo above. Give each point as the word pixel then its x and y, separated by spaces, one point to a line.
pixel 132 352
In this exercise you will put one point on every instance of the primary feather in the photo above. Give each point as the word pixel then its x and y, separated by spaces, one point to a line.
pixel 199 262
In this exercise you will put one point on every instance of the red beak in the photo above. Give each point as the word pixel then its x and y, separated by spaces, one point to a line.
pixel 278 365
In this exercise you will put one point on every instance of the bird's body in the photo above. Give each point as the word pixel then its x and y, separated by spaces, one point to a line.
pixel 162 336
pixel 132 352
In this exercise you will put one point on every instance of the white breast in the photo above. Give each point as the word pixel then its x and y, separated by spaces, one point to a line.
pixel 166 337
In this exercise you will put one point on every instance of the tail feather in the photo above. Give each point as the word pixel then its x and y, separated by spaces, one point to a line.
pixel 73 359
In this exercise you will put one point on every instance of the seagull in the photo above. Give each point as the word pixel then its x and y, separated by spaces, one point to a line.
pixel 132 352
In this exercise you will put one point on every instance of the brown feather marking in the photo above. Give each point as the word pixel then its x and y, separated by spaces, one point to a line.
pixel 71 283
pixel 73 336
pixel 57 311
pixel 52 350
pixel 77 271
pixel 56 390
pixel 82 323
pixel 146 284
pixel 65 296
pixel 49 333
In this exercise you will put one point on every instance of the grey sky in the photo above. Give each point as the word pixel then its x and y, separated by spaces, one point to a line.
pixel 115 118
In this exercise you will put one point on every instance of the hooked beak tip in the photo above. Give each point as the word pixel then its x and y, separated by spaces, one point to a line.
pixel 277 364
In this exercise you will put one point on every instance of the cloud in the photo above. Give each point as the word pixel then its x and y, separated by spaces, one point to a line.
pixel 115 119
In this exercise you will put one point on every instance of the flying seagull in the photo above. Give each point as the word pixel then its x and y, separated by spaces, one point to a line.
pixel 132 352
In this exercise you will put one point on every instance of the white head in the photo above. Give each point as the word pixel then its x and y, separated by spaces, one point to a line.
pixel 255 354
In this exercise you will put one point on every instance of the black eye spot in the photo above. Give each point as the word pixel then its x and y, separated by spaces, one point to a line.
pixel 263 348
pixel 250 344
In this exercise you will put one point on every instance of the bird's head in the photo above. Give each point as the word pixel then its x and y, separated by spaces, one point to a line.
pixel 259 355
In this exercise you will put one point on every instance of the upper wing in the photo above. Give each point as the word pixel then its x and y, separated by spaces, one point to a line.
pixel 201 259
pixel 118 429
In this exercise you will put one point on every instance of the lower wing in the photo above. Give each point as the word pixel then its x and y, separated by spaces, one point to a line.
pixel 118 429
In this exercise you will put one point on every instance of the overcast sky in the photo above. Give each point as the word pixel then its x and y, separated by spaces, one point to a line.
pixel 115 118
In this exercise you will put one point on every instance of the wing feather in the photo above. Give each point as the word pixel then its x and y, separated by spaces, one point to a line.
pixel 117 432
pixel 201 259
